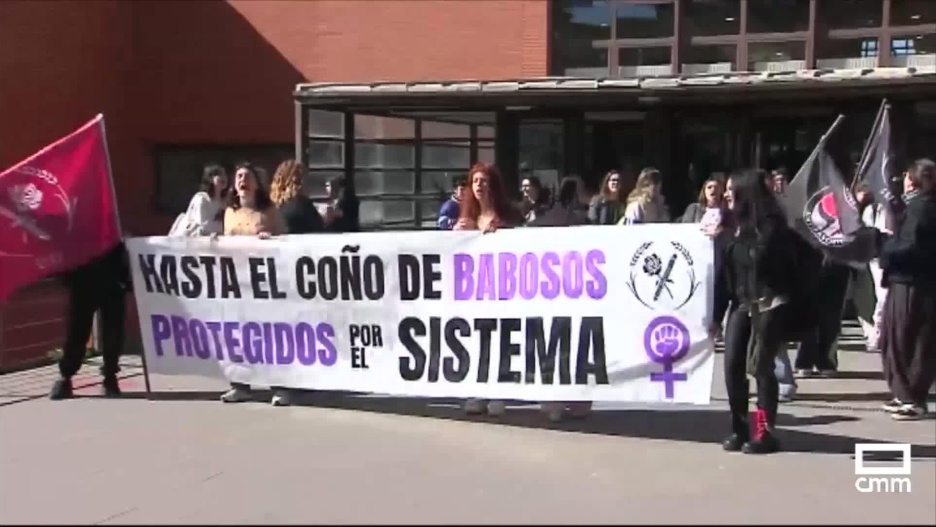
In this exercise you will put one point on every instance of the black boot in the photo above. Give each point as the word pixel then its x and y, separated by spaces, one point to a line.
pixel 740 434
pixel 110 387
pixel 62 389
pixel 763 441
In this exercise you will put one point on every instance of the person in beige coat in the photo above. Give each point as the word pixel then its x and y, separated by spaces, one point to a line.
pixel 645 203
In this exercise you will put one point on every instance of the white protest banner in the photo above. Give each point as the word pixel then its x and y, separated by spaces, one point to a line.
pixel 573 313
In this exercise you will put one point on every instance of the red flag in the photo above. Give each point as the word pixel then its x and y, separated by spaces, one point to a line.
pixel 57 209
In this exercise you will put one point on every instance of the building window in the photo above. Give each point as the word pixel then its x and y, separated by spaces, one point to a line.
pixel 643 21
pixel 914 51
pixel 709 59
pixel 777 56
pixel 541 152
pixel 847 53
pixel 912 12
pixel 851 14
pixel 644 62
pixel 580 35
pixel 179 168
pixel 713 17
pixel 777 16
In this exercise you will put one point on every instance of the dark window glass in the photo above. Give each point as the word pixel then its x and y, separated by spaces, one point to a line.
pixel 713 17
pixel 577 25
pixel 849 53
pixel 850 14
pixel 709 59
pixel 776 56
pixel 912 12
pixel 644 20
pixel 777 16
pixel 910 48
pixel 641 62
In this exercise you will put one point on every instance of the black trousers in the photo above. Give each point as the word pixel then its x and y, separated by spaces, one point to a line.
pixel 908 341
pixel 85 298
pixel 752 341
pixel 817 350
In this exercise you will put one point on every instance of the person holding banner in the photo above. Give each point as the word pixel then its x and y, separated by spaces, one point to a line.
pixel 205 212
pixel 298 211
pixel 250 212
pixel 755 272
pixel 645 203
pixel 486 208
pixel 908 259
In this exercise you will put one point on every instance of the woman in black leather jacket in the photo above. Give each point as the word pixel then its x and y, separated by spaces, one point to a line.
pixel 754 266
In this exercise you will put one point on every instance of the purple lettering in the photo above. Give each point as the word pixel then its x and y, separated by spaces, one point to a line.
pixel 180 337
pixel 161 331
pixel 464 276
pixel 285 343
pixel 572 279
pixel 486 278
pixel 507 276
pixel 231 341
pixel 215 329
pixel 551 283
pixel 597 287
pixel 253 343
pixel 199 339
pixel 529 276
pixel 328 355
pixel 305 344
pixel 267 343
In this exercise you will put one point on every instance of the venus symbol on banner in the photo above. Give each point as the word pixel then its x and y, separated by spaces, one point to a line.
pixel 666 341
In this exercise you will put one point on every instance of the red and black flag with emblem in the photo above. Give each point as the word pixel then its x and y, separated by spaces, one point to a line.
pixel 822 210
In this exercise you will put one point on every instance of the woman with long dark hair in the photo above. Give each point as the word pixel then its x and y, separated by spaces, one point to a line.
pixel 535 199
pixel 606 208
pixel 908 337
pixel 710 206
pixel 250 212
pixel 486 208
pixel 205 211
pixel 755 270
pixel 343 212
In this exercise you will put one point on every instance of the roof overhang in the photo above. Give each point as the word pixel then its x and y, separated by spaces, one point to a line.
pixel 570 91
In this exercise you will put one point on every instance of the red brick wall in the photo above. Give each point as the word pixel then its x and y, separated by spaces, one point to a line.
pixel 209 72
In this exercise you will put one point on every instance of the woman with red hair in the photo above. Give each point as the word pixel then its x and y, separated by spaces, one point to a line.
pixel 486 207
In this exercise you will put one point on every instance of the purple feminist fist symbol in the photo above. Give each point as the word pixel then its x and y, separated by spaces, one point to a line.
pixel 666 341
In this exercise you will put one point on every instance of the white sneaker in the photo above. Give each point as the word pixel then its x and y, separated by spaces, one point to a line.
pixel 496 408
pixel 474 406
pixel 281 398
pixel 236 395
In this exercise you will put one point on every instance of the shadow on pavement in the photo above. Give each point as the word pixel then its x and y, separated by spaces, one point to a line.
pixel 842 397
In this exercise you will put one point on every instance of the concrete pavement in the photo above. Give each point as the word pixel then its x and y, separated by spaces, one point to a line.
pixel 186 458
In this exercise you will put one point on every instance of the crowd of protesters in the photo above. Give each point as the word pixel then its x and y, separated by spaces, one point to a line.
pixel 759 262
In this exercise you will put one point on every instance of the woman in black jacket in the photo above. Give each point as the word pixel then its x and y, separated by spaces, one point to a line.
pixel 908 339
pixel 297 209
pixel 755 266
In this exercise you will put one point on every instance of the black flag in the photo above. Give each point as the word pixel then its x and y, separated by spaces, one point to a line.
pixel 875 166
pixel 823 211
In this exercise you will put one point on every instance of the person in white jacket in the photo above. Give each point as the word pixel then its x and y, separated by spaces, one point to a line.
pixel 204 215
pixel 874 215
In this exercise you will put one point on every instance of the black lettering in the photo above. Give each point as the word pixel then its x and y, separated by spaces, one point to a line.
pixel 409 276
pixel 485 326
pixel 356 357
pixel 192 287
pixel 377 338
pixel 328 278
pixel 354 333
pixel 431 276
pixel 305 269
pixel 350 277
pixel 373 278
pixel 435 348
pixel 230 287
pixel 591 337
pixel 167 272
pixel 454 328
pixel 411 369
pixel 508 326
pixel 257 278
pixel 148 270
pixel 274 284
pixel 560 338
pixel 208 263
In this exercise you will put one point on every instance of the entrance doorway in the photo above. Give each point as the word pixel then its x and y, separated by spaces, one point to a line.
pixel 617 143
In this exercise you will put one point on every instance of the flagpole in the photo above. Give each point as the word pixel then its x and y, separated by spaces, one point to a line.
pixel 110 177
